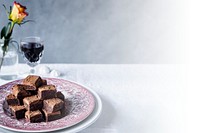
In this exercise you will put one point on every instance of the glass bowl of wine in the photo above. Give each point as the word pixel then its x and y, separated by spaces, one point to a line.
pixel 32 50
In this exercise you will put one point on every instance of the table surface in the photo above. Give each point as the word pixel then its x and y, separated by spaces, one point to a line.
pixel 137 98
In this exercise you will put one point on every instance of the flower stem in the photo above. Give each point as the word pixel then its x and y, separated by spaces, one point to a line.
pixel 11 27
pixel 2 59
pixel 6 42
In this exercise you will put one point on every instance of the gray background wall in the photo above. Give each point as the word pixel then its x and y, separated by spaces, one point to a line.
pixel 106 31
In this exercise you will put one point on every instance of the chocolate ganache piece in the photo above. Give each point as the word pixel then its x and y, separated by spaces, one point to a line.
pixel 47 92
pixel 12 100
pixel 33 81
pixel 18 111
pixel 20 93
pixel 34 116
pixel 53 105
pixel 33 103
pixel 51 116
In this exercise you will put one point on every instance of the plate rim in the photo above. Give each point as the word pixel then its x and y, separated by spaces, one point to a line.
pixel 90 119
pixel 87 123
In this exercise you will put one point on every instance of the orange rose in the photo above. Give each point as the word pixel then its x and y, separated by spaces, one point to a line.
pixel 18 13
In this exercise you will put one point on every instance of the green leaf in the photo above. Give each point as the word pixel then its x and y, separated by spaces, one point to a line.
pixel 3 32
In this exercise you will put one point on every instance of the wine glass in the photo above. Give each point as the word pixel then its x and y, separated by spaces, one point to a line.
pixel 32 50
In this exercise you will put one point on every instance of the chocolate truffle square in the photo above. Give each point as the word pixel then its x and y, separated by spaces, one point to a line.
pixel 33 103
pixel 44 82
pixel 51 116
pixel 60 95
pixel 26 87
pixel 18 111
pixel 19 92
pixel 34 116
pixel 53 105
pixel 11 100
pixel 33 80
pixel 47 92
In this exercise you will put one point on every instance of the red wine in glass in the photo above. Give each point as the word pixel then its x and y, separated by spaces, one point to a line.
pixel 32 50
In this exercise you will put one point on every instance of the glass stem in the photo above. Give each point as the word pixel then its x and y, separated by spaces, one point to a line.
pixel 32 70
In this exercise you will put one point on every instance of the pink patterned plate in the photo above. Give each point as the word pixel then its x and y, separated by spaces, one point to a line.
pixel 80 104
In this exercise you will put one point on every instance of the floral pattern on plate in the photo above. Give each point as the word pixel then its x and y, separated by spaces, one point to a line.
pixel 79 105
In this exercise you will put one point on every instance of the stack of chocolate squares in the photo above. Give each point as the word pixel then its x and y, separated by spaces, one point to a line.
pixel 34 100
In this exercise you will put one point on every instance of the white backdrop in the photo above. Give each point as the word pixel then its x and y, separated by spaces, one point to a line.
pixel 107 31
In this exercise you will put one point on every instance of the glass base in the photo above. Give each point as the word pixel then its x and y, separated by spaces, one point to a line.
pixel 8 77
pixel 32 71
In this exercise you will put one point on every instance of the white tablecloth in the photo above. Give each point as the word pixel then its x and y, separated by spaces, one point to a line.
pixel 136 98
